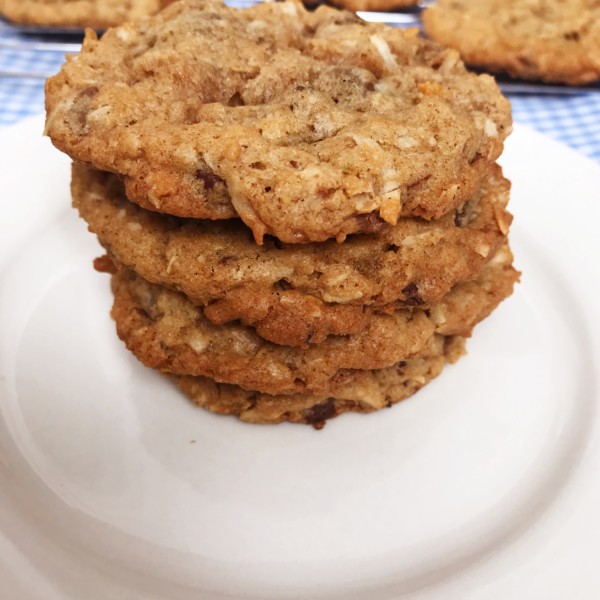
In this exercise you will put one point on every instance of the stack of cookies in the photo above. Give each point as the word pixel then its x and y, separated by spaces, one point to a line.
pixel 301 210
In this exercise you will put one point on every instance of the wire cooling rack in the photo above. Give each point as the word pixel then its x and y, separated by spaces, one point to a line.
pixel 29 52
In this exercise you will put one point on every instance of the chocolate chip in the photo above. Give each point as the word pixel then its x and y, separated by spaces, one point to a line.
pixel 572 36
pixel 209 179
pixel 325 193
pixel 475 158
pixel 283 284
pixel 309 335
pixel 236 100
pixel 319 413
pixel 411 291
pixel 143 313
pixel 343 376
pixel 89 92
pixel 370 223
pixel 225 260
pixel 392 248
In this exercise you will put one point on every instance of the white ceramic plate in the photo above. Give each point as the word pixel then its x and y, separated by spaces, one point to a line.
pixel 484 485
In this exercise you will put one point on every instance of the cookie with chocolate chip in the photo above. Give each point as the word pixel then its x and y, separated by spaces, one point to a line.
pixel 296 294
pixel 551 40
pixel 167 332
pixel 366 392
pixel 307 125
pixel 98 14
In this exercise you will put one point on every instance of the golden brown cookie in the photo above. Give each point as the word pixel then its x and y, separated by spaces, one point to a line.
pixel 98 14
pixel 308 125
pixel 167 332
pixel 552 40
pixel 368 391
pixel 296 295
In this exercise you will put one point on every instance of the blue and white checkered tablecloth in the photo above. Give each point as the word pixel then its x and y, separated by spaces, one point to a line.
pixel 571 119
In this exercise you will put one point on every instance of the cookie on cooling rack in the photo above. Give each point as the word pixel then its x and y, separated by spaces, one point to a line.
pixel 98 14
pixel 550 40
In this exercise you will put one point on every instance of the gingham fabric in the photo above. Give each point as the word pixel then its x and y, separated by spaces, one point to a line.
pixel 572 119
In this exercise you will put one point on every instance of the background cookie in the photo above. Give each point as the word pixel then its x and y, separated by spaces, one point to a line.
pixel 302 123
pixel 167 332
pixel 552 40
pixel 296 295
pixel 99 14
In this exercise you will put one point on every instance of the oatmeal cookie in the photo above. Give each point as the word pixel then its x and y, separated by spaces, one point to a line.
pixel 551 40
pixel 98 14
pixel 296 295
pixel 169 333
pixel 308 125
pixel 368 391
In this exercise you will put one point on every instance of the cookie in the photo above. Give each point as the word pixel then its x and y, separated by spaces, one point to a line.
pixel 368 391
pixel 376 5
pixel 308 125
pixel 550 40
pixel 98 14
pixel 296 295
pixel 167 332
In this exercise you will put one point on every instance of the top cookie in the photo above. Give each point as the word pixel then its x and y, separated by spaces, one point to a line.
pixel 308 125
pixel 551 40
pixel 99 14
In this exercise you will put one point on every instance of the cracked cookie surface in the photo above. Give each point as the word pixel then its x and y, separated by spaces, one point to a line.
pixel 296 295
pixel 551 40
pixel 307 125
